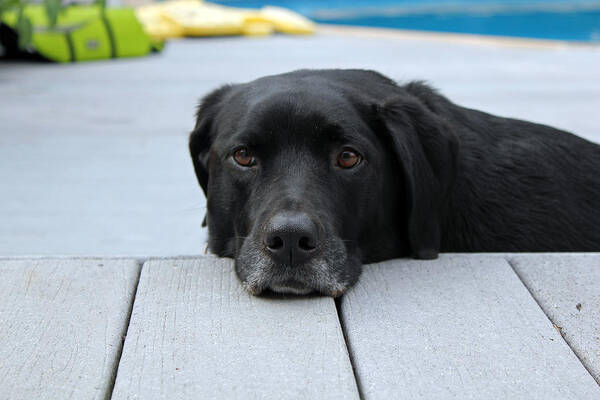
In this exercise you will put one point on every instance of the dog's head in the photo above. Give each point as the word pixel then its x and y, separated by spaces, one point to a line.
pixel 309 174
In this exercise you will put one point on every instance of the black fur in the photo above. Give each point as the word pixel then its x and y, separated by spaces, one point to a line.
pixel 435 177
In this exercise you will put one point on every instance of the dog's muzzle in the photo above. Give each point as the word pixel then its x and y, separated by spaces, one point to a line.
pixel 291 252
pixel 291 239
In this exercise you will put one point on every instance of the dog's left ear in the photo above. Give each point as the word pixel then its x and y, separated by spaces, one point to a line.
pixel 426 148
pixel 203 134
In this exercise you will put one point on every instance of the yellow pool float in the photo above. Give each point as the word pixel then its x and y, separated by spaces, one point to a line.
pixel 178 18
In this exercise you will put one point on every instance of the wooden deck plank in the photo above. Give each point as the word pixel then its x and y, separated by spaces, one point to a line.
pixel 61 326
pixel 456 328
pixel 567 287
pixel 195 333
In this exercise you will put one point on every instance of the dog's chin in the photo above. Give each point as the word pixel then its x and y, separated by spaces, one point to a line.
pixel 291 287
pixel 330 274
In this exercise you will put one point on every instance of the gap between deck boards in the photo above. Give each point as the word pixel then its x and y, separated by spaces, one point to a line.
pixel 510 262
pixel 113 377
pixel 338 309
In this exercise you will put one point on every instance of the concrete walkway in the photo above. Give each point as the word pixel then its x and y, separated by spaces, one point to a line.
pixel 94 162
pixel 94 159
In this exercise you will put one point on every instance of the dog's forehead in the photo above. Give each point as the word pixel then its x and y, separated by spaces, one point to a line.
pixel 295 111
pixel 291 109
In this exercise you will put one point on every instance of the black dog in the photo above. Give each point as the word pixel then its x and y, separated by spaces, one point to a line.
pixel 309 174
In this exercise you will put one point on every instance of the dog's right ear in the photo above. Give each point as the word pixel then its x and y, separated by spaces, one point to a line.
pixel 202 136
pixel 427 149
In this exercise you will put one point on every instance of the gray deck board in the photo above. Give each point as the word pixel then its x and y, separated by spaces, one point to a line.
pixel 195 333
pixel 561 282
pixel 61 326
pixel 459 327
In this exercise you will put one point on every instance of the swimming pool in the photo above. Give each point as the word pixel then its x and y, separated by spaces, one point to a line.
pixel 548 19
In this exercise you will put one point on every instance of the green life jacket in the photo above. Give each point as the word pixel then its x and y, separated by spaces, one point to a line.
pixel 84 32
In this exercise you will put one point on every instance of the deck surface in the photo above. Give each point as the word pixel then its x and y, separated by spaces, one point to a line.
pixel 462 326
pixel 94 165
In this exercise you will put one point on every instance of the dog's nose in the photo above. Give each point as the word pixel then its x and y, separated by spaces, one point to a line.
pixel 291 238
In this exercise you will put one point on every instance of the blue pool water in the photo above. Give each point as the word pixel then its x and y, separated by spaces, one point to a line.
pixel 542 19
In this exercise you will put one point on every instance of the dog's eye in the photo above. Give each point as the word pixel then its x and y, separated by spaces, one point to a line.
pixel 243 157
pixel 348 158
